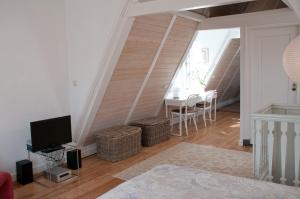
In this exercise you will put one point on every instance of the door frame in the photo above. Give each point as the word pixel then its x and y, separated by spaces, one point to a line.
pixel 246 22
pixel 247 81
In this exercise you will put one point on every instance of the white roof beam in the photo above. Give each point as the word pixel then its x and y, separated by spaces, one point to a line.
pixel 191 15
pixel 287 3
pixel 283 16
pixel 295 5
pixel 162 6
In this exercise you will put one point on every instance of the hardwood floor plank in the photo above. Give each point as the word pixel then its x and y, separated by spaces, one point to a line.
pixel 96 176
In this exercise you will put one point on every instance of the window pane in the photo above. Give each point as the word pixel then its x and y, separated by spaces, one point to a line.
pixel 201 60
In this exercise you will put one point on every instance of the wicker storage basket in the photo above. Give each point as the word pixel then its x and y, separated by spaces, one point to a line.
pixel 154 130
pixel 118 143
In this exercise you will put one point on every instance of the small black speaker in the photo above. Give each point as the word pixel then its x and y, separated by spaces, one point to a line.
pixel 74 159
pixel 24 172
pixel 247 142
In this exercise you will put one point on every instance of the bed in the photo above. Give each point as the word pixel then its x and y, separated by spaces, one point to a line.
pixel 170 181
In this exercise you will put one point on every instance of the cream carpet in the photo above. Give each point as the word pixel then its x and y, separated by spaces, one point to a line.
pixel 236 163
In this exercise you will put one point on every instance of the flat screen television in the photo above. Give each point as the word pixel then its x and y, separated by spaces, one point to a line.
pixel 50 133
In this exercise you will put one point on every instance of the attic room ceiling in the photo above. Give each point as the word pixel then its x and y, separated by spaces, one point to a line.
pixel 239 8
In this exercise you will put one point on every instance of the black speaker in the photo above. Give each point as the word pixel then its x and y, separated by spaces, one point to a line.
pixel 74 159
pixel 247 142
pixel 24 172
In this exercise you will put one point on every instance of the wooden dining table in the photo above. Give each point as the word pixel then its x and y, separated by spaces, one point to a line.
pixel 180 102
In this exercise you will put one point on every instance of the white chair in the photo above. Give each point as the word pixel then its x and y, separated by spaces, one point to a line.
pixel 189 111
pixel 206 106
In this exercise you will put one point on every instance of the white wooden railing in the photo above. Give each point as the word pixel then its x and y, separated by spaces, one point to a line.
pixel 276 135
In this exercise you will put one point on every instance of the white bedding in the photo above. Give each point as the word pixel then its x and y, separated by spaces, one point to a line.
pixel 174 182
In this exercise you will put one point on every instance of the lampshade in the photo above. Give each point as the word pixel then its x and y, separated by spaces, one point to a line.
pixel 291 60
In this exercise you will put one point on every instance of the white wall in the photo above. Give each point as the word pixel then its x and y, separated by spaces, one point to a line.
pixel 33 71
pixel 90 24
pixel 45 47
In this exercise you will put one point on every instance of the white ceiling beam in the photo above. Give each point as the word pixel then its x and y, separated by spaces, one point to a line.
pixel 284 16
pixel 162 6
pixel 287 3
pixel 295 5
pixel 191 15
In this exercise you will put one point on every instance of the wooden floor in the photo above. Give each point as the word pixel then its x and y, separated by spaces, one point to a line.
pixel 96 175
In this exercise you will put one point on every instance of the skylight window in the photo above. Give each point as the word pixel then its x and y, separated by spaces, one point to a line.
pixel 201 60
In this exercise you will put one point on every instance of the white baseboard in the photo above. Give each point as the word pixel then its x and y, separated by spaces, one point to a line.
pixel 241 142
pixel 88 150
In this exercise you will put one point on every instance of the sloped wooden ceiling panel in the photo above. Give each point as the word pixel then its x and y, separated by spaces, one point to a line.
pixel 170 57
pixel 229 75
pixel 227 59
pixel 138 53
pixel 233 90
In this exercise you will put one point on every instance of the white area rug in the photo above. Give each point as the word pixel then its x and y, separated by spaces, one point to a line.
pixel 169 181
pixel 236 163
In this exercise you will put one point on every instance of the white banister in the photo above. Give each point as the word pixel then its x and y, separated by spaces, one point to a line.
pixel 270 149
pixel 265 145
pixel 283 151
pixel 297 154
pixel 253 131
pixel 257 126
pixel 276 133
